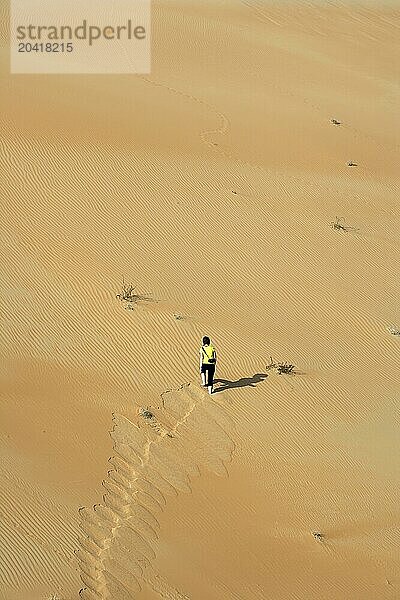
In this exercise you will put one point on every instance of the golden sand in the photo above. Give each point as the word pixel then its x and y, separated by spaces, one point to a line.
pixel 211 185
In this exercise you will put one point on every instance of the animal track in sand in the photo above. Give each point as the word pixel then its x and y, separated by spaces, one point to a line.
pixel 156 457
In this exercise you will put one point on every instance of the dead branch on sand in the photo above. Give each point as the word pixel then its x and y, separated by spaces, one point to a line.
pixel 284 368
pixel 336 224
pixel 129 296
pixel 128 293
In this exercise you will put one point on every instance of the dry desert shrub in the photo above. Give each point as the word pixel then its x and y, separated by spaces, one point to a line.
pixel 284 368
pixel 129 296
pixel 338 225
pixel 127 293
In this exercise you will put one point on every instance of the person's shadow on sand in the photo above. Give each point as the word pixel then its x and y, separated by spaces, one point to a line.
pixel 243 382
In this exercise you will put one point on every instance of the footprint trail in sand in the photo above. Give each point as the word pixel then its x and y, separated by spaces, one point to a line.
pixel 153 459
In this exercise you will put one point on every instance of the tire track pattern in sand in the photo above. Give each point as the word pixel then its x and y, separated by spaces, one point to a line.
pixel 153 459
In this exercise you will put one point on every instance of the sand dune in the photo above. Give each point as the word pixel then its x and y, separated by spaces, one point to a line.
pixel 211 185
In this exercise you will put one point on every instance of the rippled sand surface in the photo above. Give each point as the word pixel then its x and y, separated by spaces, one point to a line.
pixel 212 186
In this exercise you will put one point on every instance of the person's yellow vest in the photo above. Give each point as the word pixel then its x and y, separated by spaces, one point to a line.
pixel 207 352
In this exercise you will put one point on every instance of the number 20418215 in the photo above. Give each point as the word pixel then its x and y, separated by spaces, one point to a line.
pixel 47 47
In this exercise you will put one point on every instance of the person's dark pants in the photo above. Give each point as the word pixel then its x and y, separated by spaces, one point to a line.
pixel 209 370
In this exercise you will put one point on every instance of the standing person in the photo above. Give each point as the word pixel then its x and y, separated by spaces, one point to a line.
pixel 208 360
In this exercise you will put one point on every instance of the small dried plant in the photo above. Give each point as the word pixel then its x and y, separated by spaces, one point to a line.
pixel 127 293
pixel 284 368
pixel 338 225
